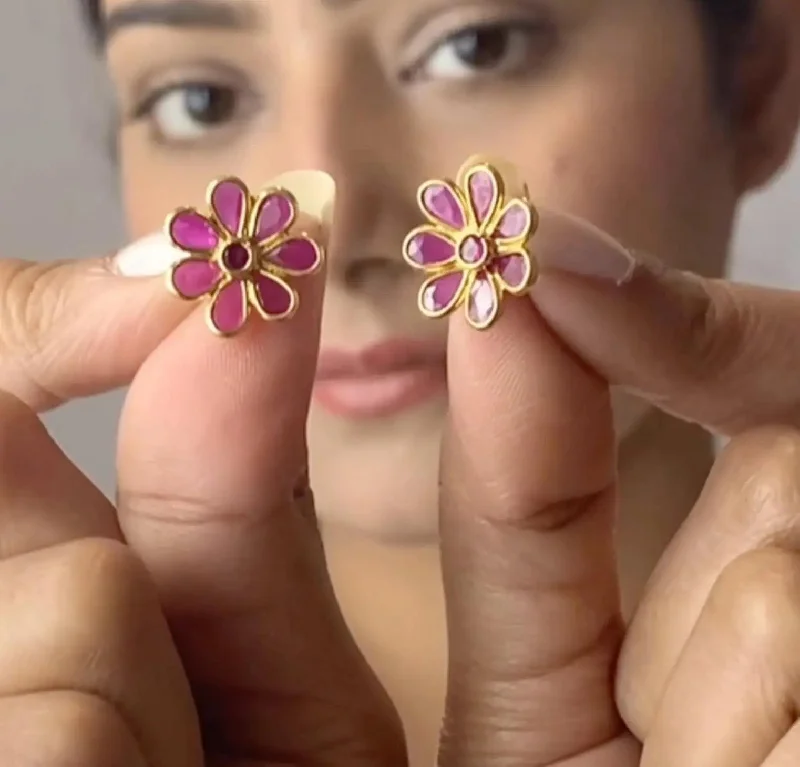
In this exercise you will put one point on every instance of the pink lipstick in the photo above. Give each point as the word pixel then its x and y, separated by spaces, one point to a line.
pixel 380 380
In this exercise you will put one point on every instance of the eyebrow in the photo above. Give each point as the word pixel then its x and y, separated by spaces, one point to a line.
pixel 184 14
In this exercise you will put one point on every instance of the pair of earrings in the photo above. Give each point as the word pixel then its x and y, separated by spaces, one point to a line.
pixel 474 249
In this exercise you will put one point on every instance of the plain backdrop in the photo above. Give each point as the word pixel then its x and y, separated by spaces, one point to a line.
pixel 55 168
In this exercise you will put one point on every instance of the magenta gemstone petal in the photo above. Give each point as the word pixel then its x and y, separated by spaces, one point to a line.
pixel 195 277
pixel 483 302
pixel 441 203
pixel 229 203
pixel 275 299
pixel 484 193
pixel 428 248
pixel 515 221
pixel 275 214
pixel 441 293
pixel 229 309
pixel 514 270
pixel 298 256
pixel 191 231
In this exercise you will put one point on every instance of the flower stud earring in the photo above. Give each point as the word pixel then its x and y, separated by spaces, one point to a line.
pixel 474 246
pixel 241 255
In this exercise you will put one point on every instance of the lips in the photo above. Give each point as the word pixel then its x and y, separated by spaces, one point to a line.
pixel 380 380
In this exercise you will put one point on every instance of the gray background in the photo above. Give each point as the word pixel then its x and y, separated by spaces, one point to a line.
pixel 55 138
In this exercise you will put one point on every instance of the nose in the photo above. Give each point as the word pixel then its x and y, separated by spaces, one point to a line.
pixel 341 115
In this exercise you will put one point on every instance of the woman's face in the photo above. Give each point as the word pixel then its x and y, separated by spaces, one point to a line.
pixel 606 106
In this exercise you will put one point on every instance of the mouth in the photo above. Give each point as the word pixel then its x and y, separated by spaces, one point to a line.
pixel 380 380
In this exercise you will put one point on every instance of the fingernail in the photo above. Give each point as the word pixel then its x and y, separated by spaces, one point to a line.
pixel 315 192
pixel 569 244
pixel 149 257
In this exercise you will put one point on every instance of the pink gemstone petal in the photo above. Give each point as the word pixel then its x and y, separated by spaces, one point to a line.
pixel 229 203
pixel 195 277
pixel 442 205
pixel 193 232
pixel 514 271
pixel 274 298
pixel 515 221
pixel 442 293
pixel 275 214
pixel 300 255
pixel 483 303
pixel 229 309
pixel 484 193
pixel 427 248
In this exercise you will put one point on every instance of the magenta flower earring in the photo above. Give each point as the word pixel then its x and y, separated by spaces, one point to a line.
pixel 475 246
pixel 242 255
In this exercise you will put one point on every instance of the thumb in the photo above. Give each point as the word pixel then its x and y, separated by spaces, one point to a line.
pixel 528 486
pixel 213 496
pixel 528 500
pixel 74 328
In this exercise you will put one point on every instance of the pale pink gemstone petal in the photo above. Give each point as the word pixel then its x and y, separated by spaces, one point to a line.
pixel 274 298
pixel 299 255
pixel 275 215
pixel 514 270
pixel 429 249
pixel 442 204
pixel 194 232
pixel 483 193
pixel 195 277
pixel 441 293
pixel 515 221
pixel 229 203
pixel 482 302
pixel 229 309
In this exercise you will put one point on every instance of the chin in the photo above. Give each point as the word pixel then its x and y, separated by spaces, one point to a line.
pixel 381 481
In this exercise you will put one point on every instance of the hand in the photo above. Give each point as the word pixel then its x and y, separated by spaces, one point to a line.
pixel 709 673
pixel 233 573
pixel 88 672
pixel 210 504
pixel 528 547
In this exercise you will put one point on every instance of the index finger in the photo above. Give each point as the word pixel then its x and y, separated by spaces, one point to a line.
pixel 74 328
pixel 70 329
pixel 723 355
pixel 714 352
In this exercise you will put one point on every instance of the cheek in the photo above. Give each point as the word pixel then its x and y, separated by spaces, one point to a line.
pixel 155 183
pixel 634 162
pixel 149 194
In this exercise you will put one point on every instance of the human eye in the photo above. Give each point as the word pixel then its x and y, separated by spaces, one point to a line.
pixel 191 111
pixel 487 49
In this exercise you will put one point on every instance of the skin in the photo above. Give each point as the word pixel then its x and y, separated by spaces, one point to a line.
pixel 211 544
pixel 391 137
pixel 408 133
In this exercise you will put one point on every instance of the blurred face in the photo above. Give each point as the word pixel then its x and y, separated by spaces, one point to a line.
pixel 604 105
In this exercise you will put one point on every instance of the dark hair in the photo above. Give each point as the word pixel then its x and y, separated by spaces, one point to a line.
pixel 725 22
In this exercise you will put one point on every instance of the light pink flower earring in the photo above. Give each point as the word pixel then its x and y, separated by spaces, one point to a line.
pixel 241 255
pixel 475 246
